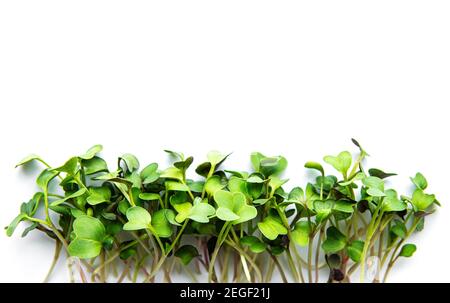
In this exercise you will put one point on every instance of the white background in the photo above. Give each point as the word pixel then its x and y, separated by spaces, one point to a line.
pixel 281 77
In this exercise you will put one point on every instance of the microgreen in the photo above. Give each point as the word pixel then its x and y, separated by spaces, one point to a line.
pixel 150 219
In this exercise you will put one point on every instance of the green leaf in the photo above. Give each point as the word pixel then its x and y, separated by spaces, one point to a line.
pixel 375 172
pixel 131 162
pixel 271 228
pixel 78 193
pixel 70 167
pixel 176 186
pixel 256 158
pixel 186 253
pixel 84 248
pixel 272 165
pixel 94 165
pixel 316 166
pixel 150 173
pixel 172 173
pixel 334 242
pixel 149 196
pixel 214 184
pixel 183 210
pixel 343 206
pixel 421 201
pixel 13 225
pixel 407 250
pixel 175 155
pixel 275 183
pixel 98 195
pixel 420 181
pixel 45 177
pixel 392 203
pixel 91 228
pixel 233 207
pixel 354 250
pixel 226 214
pixel 138 218
pixel 340 162
pixel 255 244
pixel 184 165
pixel 161 224
pixel 28 159
pixel 216 158
pixel 323 209
pixel 375 186
pixel 201 211
pixel 301 232
pixel 91 152
pixel 399 229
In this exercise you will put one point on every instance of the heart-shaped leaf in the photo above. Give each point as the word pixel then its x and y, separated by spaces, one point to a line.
pixel 233 207
pixel 341 162
pixel 354 250
pixel 301 233
pixel 271 228
pixel 138 218
pixel 94 165
pixel 334 242
pixel 214 184
pixel 98 195
pixel 89 236
pixel 161 224
pixel 421 201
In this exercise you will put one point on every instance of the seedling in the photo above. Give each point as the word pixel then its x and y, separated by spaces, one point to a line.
pixel 132 223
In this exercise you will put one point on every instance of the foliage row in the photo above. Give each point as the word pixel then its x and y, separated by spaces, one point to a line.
pixel 142 221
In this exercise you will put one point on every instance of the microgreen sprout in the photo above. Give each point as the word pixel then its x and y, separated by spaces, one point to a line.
pixel 143 222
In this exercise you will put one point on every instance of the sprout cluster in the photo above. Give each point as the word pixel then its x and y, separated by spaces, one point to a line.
pixel 142 223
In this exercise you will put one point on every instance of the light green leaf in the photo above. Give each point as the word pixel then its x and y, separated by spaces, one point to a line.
pixel 131 162
pixel 98 195
pixel 45 177
pixel 13 225
pixel 421 201
pixel 138 218
pixel 161 224
pixel 150 173
pixel 215 157
pixel 84 248
pixel 343 206
pixel 78 193
pixel 149 196
pixel 340 162
pixel 70 167
pixel 94 165
pixel 301 232
pixel 271 228
pixel 316 166
pixel 91 152
pixel 28 159
pixel 176 186
pixel 172 173
pixel 214 184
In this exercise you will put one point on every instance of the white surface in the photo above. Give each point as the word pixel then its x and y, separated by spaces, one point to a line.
pixel 293 78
